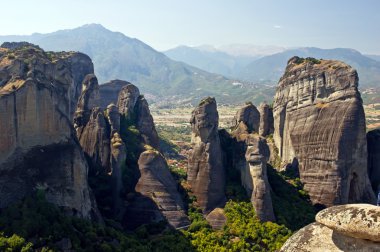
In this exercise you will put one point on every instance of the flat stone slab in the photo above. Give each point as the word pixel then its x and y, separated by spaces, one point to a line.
pixel 355 220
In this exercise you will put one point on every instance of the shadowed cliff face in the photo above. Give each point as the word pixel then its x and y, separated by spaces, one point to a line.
pixel 206 173
pixel 38 147
pixel 98 132
pixel 373 140
pixel 319 120
pixel 157 196
pixel 134 109
pixel 257 156
pixel 109 92
pixel 249 116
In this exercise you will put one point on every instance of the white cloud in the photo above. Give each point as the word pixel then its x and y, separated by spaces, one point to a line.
pixel 277 26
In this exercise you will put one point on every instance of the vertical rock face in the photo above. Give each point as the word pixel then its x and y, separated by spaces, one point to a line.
pixel 319 121
pixel 157 198
pixel 127 100
pixel 206 173
pixel 373 141
pixel 91 126
pixel 266 120
pixel 38 150
pixel 145 124
pixel 257 156
pixel 134 107
pixel 248 117
pixel 99 135
pixel 109 92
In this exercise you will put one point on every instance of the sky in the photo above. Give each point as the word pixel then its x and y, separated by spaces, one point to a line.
pixel 164 24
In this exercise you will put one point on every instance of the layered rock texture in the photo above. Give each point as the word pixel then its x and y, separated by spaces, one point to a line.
pixel 38 147
pixel 319 123
pixel 157 196
pixel 373 143
pixel 206 173
pixel 353 227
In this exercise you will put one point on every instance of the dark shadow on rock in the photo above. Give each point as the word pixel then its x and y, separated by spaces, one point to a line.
pixel 291 207
pixel 347 243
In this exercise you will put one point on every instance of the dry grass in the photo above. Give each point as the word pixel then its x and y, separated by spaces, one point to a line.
pixel 322 105
pixel 12 86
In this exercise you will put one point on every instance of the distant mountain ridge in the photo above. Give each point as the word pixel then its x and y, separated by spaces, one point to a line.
pixel 210 59
pixel 117 56
pixel 269 68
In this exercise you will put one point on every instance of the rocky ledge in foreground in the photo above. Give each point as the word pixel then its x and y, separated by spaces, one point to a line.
pixel 353 227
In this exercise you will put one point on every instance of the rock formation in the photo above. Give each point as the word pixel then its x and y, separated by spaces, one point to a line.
pixel 217 218
pixel 98 132
pixel 38 148
pixel 206 173
pixel 353 227
pixel 109 92
pixel 266 120
pixel 373 143
pixel 134 107
pixel 319 122
pixel 355 220
pixel 255 178
pixel 247 119
pixel 157 196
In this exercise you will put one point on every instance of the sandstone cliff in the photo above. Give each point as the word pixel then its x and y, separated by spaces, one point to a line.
pixel 38 148
pixel 98 132
pixel 109 92
pixel 134 109
pixel 266 120
pixel 353 227
pixel 255 178
pixel 319 122
pixel 247 119
pixel 206 173
pixel 157 197
pixel 373 141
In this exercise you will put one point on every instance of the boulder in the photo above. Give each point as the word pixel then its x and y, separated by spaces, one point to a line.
pixel 217 218
pixel 206 173
pixel 38 148
pixel 354 220
pixel 319 124
pixel 373 143
pixel 316 237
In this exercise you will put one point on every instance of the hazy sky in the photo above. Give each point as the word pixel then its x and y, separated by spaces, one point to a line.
pixel 164 24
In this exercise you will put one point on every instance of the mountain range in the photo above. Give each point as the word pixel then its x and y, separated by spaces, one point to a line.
pixel 269 68
pixel 161 79
pixel 183 75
